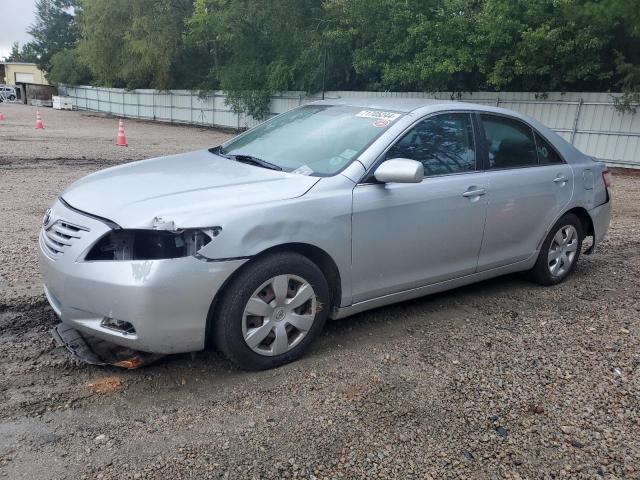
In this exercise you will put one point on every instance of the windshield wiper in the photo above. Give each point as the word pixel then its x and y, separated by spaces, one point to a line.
pixel 258 162
pixel 248 159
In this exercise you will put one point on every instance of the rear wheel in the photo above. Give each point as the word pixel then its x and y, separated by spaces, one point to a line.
pixel 560 251
pixel 272 311
pixel 12 97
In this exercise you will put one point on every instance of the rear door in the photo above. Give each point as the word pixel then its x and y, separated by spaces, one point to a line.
pixel 409 235
pixel 529 186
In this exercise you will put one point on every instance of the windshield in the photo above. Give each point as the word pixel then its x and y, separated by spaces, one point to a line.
pixel 312 140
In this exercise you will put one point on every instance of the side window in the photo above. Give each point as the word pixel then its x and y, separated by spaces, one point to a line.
pixel 510 142
pixel 546 154
pixel 443 144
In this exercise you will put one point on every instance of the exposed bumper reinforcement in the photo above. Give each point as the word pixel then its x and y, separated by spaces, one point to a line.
pixel 100 352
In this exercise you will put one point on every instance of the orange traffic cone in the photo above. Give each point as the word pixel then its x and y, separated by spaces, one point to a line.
pixel 39 125
pixel 122 141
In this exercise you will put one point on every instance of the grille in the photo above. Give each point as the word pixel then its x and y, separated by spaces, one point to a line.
pixel 59 236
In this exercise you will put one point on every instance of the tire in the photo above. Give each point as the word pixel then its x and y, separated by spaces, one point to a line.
pixel 270 316
pixel 12 97
pixel 551 266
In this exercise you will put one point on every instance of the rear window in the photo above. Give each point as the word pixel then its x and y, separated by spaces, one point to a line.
pixel 547 155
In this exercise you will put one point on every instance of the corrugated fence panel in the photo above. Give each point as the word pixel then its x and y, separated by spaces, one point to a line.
pixel 130 106
pixel 589 120
pixel 145 101
pixel 202 110
pixel 565 135
pixel 185 105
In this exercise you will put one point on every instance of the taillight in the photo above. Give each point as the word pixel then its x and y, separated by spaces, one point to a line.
pixel 607 178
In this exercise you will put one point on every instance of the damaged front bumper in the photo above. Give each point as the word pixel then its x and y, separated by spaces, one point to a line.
pixel 100 352
pixel 163 304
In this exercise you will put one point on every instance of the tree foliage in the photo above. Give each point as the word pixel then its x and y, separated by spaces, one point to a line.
pixel 258 48
pixel 24 54
pixel 54 30
pixel 253 48
pixel 471 44
pixel 132 43
pixel 67 67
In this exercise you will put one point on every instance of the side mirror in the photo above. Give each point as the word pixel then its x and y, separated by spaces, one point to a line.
pixel 399 170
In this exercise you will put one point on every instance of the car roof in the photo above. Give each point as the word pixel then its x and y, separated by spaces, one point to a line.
pixel 399 104
pixel 424 105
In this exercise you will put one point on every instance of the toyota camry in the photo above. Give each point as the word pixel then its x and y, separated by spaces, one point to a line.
pixel 332 208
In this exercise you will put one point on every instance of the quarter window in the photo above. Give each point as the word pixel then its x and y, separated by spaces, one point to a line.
pixel 510 143
pixel 546 154
pixel 443 144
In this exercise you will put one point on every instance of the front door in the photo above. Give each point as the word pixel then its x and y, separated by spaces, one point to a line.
pixel 410 235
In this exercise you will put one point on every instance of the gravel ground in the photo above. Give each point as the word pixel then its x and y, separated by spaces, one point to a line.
pixel 500 380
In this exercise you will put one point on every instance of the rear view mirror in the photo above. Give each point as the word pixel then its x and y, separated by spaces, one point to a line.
pixel 399 170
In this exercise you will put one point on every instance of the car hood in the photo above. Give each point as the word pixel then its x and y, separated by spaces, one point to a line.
pixel 179 188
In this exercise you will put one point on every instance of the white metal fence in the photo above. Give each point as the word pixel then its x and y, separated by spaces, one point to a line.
pixel 588 120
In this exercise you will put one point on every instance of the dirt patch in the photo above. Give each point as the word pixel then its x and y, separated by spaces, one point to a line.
pixel 106 386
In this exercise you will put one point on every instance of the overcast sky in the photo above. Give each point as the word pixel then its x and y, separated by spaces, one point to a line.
pixel 15 18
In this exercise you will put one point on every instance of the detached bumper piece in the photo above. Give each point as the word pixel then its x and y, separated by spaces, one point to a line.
pixel 96 351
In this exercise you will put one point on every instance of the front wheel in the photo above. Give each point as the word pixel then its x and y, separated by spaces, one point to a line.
pixel 12 97
pixel 272 311
pixel 560 251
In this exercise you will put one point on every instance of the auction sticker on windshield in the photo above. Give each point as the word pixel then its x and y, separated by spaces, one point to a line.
pixel 378 115
pixel 303 170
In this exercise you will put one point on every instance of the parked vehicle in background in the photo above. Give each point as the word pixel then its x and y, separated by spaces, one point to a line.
pixel 7 93
pixel 327 210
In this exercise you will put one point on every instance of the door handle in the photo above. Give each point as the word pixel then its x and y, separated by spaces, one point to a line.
pixel 561 179
pixel 474 193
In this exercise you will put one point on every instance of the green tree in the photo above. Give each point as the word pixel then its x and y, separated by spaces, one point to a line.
pixel 253 49
pixel 134 43
pixel 621 20
pixel 409 45
pixel 477 44
pixel 24 54
pixel 68 68
pixel 54 29
pixel 258 48
pixel 630 86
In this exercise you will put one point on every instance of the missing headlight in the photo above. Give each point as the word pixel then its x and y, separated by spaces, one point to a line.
pixel 150 244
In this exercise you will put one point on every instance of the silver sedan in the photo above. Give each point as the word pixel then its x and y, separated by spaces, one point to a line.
pixel 327 210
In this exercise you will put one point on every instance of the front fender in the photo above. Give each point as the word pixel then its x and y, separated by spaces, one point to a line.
pixel 321 218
